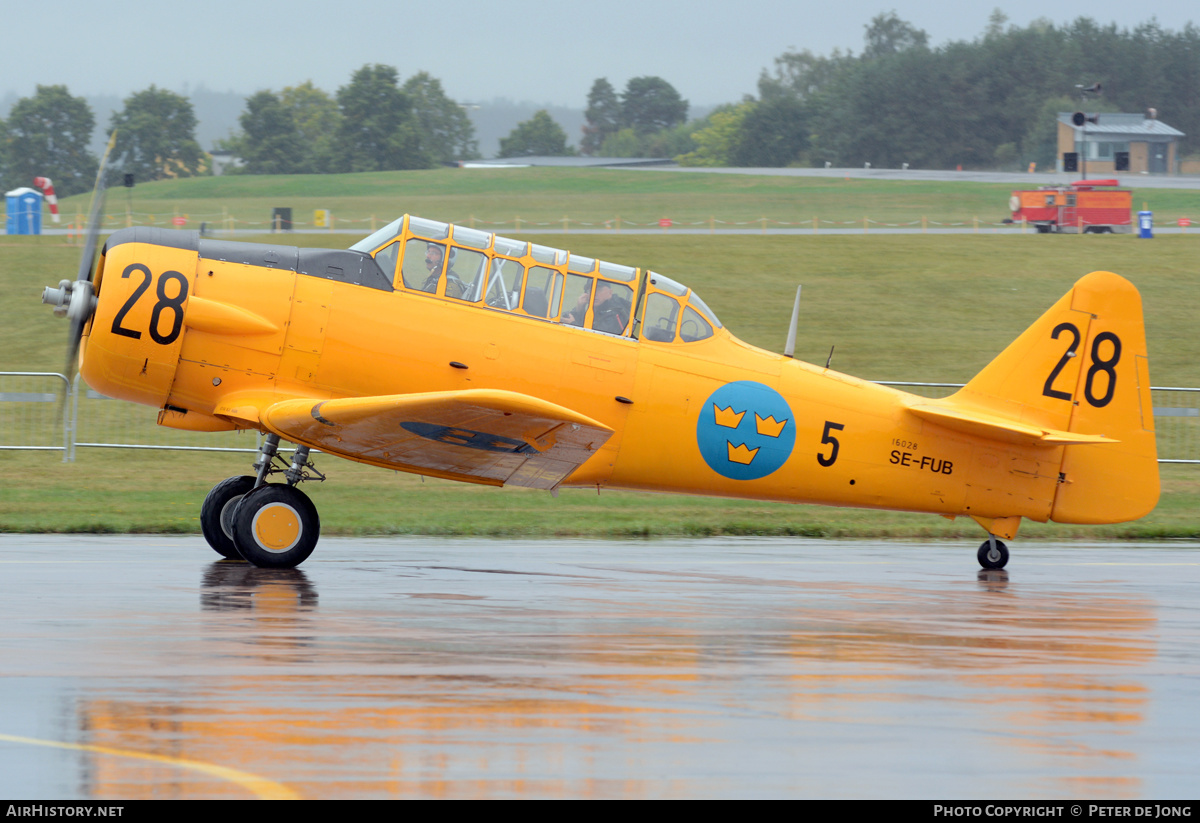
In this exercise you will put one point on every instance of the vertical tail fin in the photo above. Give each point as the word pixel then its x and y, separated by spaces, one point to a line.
pixel 1082 367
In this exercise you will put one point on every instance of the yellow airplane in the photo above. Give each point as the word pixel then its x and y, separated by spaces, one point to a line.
pixel 450 352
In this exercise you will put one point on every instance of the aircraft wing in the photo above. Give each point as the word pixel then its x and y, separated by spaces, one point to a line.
pixel 481 435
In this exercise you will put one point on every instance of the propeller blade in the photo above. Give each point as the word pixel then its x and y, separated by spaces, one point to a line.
pixel 93 227
pixel 74 339
pixel 80 305
pixel 78 300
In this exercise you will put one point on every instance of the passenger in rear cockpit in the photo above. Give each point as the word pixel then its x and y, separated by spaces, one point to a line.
pixel 609 313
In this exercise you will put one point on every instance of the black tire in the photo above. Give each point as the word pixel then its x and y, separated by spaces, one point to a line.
pixel 989 561
pixel 221 503
pixel 276 527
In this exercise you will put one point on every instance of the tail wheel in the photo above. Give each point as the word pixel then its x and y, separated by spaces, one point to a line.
pixel 993 554
pixel 216 515
pixel 276 526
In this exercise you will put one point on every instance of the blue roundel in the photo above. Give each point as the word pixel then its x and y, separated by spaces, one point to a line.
pixel 746 430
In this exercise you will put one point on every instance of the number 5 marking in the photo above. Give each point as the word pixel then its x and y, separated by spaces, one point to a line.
pixel 826 437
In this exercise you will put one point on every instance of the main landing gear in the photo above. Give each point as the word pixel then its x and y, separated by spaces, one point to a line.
pixel 272 525
pixel 993 554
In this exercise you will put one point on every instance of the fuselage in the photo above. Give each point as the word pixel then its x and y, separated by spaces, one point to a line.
pixel 213 332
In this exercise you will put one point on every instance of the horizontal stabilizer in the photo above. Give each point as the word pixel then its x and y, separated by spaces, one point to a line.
pixel 481 435
pixel 995 427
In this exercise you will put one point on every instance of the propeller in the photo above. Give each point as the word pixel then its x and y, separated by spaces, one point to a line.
pixel 77 300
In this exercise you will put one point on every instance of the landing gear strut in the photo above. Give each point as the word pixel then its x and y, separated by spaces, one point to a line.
pixel 271 525
pixel 993 554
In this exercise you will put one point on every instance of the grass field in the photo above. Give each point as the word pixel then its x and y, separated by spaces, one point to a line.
pixel 113 491
pixel 496 198
pixel 923 308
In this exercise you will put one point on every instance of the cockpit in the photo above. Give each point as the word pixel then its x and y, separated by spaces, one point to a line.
pixel 497 273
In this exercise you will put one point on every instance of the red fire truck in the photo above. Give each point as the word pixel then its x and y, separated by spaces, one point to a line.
pixel 1086 206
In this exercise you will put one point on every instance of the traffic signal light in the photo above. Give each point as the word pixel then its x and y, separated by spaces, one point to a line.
pixel 1121 161
pixel 1070 161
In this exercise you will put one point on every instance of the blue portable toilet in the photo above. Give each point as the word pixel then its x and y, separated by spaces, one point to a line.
pixel 24 207
pixel 1146 225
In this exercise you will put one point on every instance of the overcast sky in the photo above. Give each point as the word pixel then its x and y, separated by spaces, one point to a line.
pixel 533 50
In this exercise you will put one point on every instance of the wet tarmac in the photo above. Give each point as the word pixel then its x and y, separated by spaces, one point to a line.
pixel 138 667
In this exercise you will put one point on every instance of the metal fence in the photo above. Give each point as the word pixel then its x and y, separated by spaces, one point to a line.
pixel 101 422
pixel 46 411
pixel 1177 424
pixel 31 417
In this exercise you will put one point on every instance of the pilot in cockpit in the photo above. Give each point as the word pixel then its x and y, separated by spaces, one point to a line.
pixel 434 254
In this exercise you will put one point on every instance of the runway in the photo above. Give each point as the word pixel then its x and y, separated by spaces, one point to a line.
pixel 139 667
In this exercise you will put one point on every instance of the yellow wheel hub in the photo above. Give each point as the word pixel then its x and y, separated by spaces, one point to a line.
pixel 277 527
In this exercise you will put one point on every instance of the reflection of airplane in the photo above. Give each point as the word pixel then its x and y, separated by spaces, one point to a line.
pixel 449 352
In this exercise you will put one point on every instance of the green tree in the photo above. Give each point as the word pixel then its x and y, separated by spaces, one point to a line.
pixel 4 155
pixel 446 132
pixel 888 34
pixel 982 102
pixel 927 109
pixel 995 25
pixel 156 137
pixel 48 136
pixel 801 75
pixel 538 136
pixel 651 104
pixel 603 116
pixel 317 121
pixel 271 142
pixel 773 133
pixel 1039 144
pixel 666 143
pixel 671 142
pixel 378 131
pixel 717 142
pixel 623 143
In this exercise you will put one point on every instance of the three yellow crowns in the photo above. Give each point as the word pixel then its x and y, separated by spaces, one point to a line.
pixel 768 427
